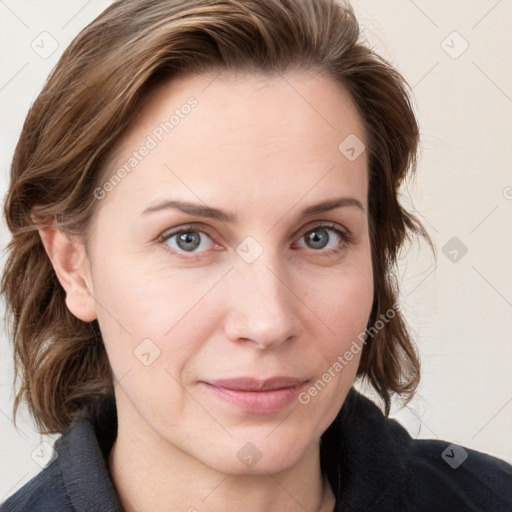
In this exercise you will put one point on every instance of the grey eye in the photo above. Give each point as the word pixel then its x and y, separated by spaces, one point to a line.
pixel 317 238
pixel 188 241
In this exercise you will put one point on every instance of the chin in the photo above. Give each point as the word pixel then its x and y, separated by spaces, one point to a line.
pixel 248 453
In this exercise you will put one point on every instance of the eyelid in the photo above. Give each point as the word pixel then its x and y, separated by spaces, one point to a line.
pixel 187 228
pixel 347 239
pixel 324 224
pixel 344 233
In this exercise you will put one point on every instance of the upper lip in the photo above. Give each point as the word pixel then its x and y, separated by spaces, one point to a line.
pixel 252 384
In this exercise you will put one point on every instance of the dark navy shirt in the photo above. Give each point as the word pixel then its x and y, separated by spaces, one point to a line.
pixel 372 463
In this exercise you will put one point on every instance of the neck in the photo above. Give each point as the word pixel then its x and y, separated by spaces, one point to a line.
pixel 148 471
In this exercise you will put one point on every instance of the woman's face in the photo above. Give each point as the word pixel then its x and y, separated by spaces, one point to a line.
pixel 227 316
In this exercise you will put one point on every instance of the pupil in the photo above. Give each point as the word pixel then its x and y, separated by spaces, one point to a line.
pixel 318 238
pixel 188 241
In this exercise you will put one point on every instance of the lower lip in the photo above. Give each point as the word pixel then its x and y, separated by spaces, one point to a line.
pixel 257 401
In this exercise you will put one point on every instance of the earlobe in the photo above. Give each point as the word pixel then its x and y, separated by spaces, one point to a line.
pixel 71 266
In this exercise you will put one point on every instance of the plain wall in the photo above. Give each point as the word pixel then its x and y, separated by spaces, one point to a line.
pixel 458 306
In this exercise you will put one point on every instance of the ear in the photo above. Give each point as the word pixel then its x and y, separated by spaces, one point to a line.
pixel 72 267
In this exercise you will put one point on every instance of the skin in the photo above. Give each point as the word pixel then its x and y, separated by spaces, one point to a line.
pixel 263 148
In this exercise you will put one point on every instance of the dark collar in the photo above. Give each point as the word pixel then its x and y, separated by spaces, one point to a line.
pixel 83 459
pixel 361 453
pixel 364 454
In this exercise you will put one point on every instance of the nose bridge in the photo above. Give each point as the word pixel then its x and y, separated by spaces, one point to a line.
pixel 262 283
pixel 261 306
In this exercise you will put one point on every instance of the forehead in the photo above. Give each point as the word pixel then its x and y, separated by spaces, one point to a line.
pixel 213 134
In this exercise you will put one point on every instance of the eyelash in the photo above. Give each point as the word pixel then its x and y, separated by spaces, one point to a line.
pixel 346 237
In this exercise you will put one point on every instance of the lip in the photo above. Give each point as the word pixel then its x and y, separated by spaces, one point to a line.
pixel 257 396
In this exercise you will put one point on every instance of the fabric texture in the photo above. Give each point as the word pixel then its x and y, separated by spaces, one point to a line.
pixel 372 463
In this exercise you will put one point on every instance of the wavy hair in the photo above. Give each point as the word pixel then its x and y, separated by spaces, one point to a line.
pixel 92 96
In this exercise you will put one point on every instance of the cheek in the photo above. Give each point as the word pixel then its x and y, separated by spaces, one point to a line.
pixel 351 305
pixel 343 305
pixel 343 300
pixel 148 316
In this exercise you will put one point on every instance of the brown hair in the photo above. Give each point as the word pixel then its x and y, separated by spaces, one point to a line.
pixel 92 96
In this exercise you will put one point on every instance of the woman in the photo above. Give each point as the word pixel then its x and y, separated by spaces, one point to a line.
pixel 205 218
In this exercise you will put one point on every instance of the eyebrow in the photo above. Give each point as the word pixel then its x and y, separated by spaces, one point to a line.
pixel 199 210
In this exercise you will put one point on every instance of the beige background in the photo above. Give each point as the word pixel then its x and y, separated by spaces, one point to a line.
pixel 456 55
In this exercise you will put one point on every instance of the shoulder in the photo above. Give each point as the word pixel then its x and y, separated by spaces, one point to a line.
pixel 374 464
pixel 77 479
pixel 440 473
pixel 43 493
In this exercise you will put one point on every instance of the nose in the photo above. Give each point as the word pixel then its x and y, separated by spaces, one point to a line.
pixel 262 308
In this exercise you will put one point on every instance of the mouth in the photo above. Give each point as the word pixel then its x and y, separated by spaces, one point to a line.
pixel 257 396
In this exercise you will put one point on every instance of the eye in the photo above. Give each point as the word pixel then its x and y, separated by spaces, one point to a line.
pixel 328 237
pixel 187 240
